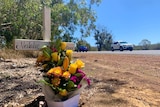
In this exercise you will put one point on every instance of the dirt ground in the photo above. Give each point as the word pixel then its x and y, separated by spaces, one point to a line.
pixel 116 81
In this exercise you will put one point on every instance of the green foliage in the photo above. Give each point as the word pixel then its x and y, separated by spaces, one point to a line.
pixel 68 16
pixel 25 17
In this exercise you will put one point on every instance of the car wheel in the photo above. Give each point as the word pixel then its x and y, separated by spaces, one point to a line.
pixel 131 49
pixel 121 48
pixel 112 49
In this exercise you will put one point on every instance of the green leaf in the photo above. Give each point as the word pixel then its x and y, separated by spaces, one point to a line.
pixel 78 74
pixel 60 62
pixel 58 44
pixel 70 85
pixel 46 83
pixel 46 51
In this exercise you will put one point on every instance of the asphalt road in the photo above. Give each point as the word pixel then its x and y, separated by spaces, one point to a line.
pixel 140 52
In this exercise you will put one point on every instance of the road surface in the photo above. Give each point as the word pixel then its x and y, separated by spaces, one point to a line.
pixel 140 52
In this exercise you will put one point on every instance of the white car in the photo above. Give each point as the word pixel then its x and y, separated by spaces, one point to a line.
pixel 121 45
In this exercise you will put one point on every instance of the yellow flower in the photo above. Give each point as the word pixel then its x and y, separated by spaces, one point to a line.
pixel 63 45
pixel 56 81
pixel 66 75
pixel 63 92
pixel 57 71
pixel 73 68
pixel 55 56
pixel 69 54
pixel 79 63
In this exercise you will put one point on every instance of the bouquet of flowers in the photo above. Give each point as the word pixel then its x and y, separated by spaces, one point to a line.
pixel 61 75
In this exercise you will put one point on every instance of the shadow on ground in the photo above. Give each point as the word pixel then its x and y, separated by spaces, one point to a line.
pixel 105 89
pixel 36 102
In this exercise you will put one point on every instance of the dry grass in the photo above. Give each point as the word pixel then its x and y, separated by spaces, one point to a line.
pixel 14 54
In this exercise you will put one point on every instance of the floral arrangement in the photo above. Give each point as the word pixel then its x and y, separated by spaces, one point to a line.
pixel 60 73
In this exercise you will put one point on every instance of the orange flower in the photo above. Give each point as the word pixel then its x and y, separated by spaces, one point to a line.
pixel 47 59
pixel 40 58
pixel 56 81
pixel 73 68
pixel 57 71
pixel 63 45
pixel 79 63
pixel 66 75
pixel 63 92
pixel 65 63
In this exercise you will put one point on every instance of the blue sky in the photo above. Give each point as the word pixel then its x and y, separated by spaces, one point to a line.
pixel 129 20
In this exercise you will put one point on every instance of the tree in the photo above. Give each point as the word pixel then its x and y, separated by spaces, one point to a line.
pixel 25 18
pixel 103 39
pixel 145 44
pixel 67 17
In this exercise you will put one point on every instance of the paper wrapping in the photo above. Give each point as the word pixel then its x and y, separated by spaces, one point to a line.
pixel 50 95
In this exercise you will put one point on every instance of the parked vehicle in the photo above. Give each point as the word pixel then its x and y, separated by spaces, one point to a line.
pixel 82 49
pixel 121 45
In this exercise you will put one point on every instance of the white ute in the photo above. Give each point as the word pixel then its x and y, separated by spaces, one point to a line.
pixel 121 45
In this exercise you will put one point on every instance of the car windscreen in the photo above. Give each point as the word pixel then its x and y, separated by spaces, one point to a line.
pixel 123 42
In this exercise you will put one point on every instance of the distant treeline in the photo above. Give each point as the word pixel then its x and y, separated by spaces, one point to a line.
pixel 148 47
